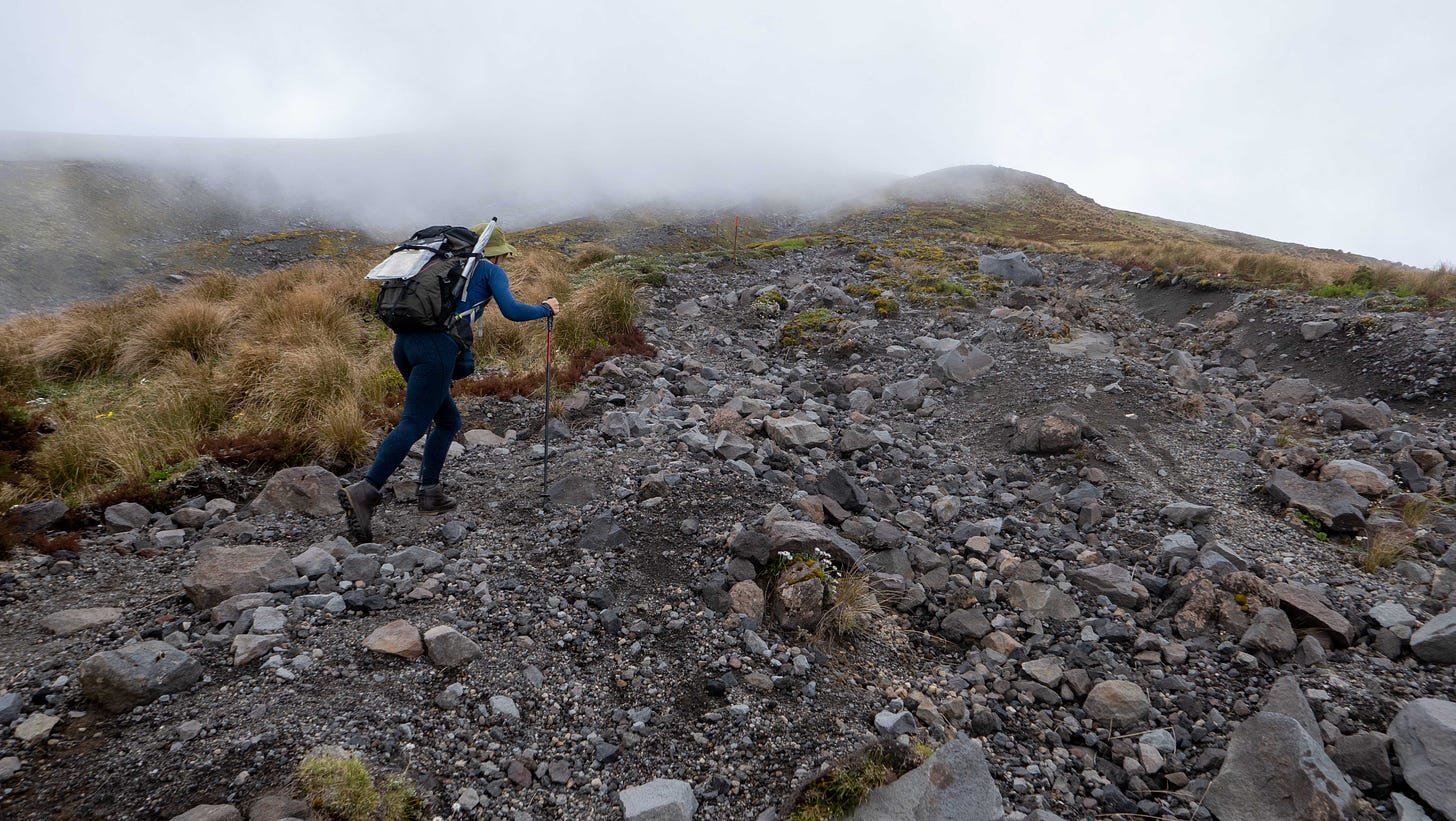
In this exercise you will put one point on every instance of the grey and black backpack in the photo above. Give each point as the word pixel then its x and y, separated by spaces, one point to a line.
pixel 423 280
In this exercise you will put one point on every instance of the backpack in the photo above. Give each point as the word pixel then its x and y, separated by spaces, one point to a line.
pixel 423 280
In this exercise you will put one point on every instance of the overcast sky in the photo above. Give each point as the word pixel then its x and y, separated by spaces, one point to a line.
pixel 1327 123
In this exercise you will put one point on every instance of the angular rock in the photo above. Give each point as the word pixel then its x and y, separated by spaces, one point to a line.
pixel 844 490
pixel 805 537
pixel 1274 770
pixel 1317 329
pixel 37 727
pixel 1365 756
pixel 125 516
pixel 1359 415
pixel 791 432
pixel 418 558
pixel 1308 609
pixel 1186 514
pixel 66 622
pixel 315 562
pixel 1435 641
pixel 277 808
pixel 799 598
pixel 1117 704
pixel 249 647
pixel 965 626
pixel 223 572
pixel 137 674
pixel 1364 479
pixel 572 490
pixel 397 638
pixel 1044 601
pixel 447 647
pixel 961 366
pixel 1113 581
pixel 661 799
pixel 1424 736
pixel 1286 698
pixel 1334 503
pixel 34 517
pixel 1086 345
pixel 309 490
pixel 1290 391
pixel 894 722
pixel 230 609
pixel 1013 266
pixel 746 597
pixel 603 533
pixel 1270 633
pixel 954 784
pixel 210 812
pixel 1057 432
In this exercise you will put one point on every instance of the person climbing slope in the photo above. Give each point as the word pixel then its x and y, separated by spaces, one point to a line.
pixel 429 362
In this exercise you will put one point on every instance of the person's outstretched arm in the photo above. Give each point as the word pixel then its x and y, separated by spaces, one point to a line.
pixel 493 278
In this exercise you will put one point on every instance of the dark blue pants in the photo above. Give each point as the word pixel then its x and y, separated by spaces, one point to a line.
pixel 427 361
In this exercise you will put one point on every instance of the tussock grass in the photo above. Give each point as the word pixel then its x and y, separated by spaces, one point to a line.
pixel 284 366
pixel 193 326
pixel 18 370
pixel 1384 549
pixel 855 606
pixel 83 340
pixel 590 253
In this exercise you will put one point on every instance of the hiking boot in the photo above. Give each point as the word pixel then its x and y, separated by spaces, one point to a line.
pixel 359 501
pixel 433 500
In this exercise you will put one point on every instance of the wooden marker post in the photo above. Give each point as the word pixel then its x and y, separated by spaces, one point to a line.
pixel 735 239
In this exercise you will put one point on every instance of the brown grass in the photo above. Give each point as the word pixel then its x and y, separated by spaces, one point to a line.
pixel 266 371
pixel 192 326
pixel 590 253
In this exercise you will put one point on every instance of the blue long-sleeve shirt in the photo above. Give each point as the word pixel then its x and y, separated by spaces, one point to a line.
pixel 489 282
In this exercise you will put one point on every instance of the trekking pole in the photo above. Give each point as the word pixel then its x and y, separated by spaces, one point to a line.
pixel 546 428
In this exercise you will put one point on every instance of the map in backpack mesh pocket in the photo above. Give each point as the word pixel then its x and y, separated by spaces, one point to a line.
pixel 404 264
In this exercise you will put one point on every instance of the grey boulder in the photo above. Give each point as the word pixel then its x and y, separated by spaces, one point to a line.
pixel 1013 266
pixel 137 674
pixel 1274 771
pixel 661 799
pixel 310 490
pixel 33 517
pixel 1424 736
pixel 1435 641
pixel 224 572
pixel 954 784
pixel 1334 503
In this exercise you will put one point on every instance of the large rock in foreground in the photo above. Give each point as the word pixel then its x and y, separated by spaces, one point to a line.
pixel 954 784
pixel 224 572
pixel 1424 736
pixel 310 490
pixel 1334 503
pixel 139 674
pixel 1275 772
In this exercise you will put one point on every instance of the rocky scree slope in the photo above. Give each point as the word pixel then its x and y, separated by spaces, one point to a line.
pixel 1117 560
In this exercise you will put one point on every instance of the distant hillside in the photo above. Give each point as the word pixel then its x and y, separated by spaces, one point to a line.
pixel 75 230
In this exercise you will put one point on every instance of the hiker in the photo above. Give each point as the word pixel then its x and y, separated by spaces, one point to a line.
pixel 429 362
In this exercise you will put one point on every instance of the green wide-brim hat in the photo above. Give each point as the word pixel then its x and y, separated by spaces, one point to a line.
pixel 497 245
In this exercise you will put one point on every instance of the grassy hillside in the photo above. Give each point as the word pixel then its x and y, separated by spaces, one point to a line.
pixel 282 367
pixel 1001 206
